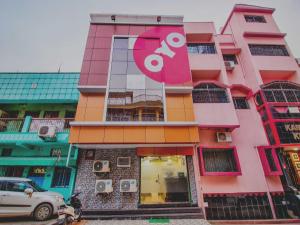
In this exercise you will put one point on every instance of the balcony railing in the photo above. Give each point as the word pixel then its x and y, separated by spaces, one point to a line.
pixel 62 125
pixel 11 124
pixel 127 100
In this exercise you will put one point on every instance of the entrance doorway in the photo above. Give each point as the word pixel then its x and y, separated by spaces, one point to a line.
pixel 164 179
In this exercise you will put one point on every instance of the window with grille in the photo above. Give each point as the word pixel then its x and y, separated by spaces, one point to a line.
pixel 240 103
pixel 255 19
pixel 231 58
pixel 61 177
pixel 219 160
pixel 268 50
pixel 202 48
pixel 282 92
pixel 209 93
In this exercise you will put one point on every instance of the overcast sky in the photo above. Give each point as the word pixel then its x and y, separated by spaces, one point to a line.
pixel 41 35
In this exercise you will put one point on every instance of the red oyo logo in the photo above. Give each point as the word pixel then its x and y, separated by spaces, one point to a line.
pixel 161 54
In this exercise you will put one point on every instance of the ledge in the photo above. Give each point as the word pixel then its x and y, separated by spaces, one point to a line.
pixel 178 90
pixel 92 89
pixel 264 34
pixel 111 18
pixel 131 124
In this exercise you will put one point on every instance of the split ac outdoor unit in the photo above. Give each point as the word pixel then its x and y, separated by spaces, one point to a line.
pixel 103 186
pixel 47 131
pixel 101 166
pixel 128 185
pixel 123 161
pixel 229 65
pixel 293 110
pixel 224 137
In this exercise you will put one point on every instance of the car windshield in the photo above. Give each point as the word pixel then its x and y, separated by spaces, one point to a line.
pixel 36 187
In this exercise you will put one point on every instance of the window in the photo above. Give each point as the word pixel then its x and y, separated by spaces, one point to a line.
pixel 209 93
pixel 14 171
pixel 10 114
pixel 268 50
pixel 6 152
pixel 270 161
pixel 255 19
pixel 51 114
pixel 2 185
pixel 70 114
pixel 230 58
pixel 61 177
pixel 240 103
pixel 203 48
pixel 132 96
pixel 219 161
pixel 33 114
pixel 16 186
pixel 282 92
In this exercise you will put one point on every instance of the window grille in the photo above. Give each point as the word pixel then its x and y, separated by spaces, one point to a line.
pixel 255 19
pixel 240 103
pixel 61 177
pixel 282 92
pixel 219 160
pixel 203 48
pixel 209 93
pixel 268 50
pixel 238 207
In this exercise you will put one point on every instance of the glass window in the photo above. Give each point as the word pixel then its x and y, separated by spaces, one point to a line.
pixel 219 160
pixel 255 19
pixel 33 114
pixel 120 55
pixel 268 50
pixel 6 152
pixel 70 114
pixel 231 58
pixel 2 185
pixel 270 159
pixel 17 186
pixel 132 95
pixel 209 93
pixel 14 171
pixel 61 177
pixel 202 48
pixel 240 103
pixel 51 114
pixel 10 114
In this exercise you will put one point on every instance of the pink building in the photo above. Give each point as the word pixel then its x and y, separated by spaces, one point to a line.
pixel 209 130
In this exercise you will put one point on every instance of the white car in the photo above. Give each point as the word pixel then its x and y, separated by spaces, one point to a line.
pixel 22 197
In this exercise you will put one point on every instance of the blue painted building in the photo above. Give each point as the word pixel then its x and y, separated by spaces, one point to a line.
pixel 27 102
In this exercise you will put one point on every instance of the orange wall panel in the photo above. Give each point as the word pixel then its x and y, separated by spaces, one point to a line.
pixel 174 101
pixel 114 135
pixel 155 135
pixel 95 101
pixel 74 135
pixel 82 100
pixel 93 114
pixel 189 114
pixel 176 114
pixel 188 101
pixel 177 134
pixel 80 113
pixel 194 134
pixel 134 134
pixel 91 135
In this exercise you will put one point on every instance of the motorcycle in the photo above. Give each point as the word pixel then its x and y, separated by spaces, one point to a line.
pixel 69 213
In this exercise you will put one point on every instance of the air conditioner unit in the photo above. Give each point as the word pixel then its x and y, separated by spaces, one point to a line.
pixel 47 131
pixel 101 166
pixel 128 185
pixel 103 186
pixel 123 161
pixel 224 137
pixel 229 65
pixel 293 110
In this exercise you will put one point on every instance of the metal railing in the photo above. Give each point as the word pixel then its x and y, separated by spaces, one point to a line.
pixel 127 100
pixel 11 124
pixel 62 125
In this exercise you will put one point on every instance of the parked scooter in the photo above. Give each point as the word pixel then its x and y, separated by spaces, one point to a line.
pixel 70 213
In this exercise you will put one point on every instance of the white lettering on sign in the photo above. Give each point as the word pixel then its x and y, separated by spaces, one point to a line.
pixel 154 62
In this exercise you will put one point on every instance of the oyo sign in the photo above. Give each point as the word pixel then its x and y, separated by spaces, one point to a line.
pixel 161 54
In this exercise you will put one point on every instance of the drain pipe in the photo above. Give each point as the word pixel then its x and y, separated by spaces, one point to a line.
pixel 69 154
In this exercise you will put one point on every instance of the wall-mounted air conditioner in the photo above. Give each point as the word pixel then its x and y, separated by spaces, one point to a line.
pixel 103 186
pixel 224 137
pixel 229 65
pixel 47 131
pixel 128 185
pixel 101 166
pixel 123 161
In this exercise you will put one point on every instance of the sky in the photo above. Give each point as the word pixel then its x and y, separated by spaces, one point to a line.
pixel 43 35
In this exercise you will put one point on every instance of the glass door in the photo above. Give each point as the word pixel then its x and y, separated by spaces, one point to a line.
pixel 164 179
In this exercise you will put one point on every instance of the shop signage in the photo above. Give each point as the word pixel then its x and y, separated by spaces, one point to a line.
pixel 39 170
pixel 288 132
pixel 161 54
pixel 294 156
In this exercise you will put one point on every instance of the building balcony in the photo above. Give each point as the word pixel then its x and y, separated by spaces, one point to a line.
pixel 24 131
pixel 205 66
pixel 199 31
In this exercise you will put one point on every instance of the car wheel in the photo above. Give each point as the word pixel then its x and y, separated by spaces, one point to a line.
pixel 42 212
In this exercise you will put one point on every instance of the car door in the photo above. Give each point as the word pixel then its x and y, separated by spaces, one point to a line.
pixel 14 199
pixel 3 208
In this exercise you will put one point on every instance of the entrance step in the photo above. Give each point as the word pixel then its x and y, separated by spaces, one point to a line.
pixel 145 213
pixel 277 221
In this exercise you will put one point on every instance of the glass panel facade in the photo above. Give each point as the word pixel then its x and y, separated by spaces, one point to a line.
pixel 132 96
pixel 268 50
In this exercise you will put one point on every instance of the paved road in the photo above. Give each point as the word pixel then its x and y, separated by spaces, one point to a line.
pixel 146 222
pixel 24 221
